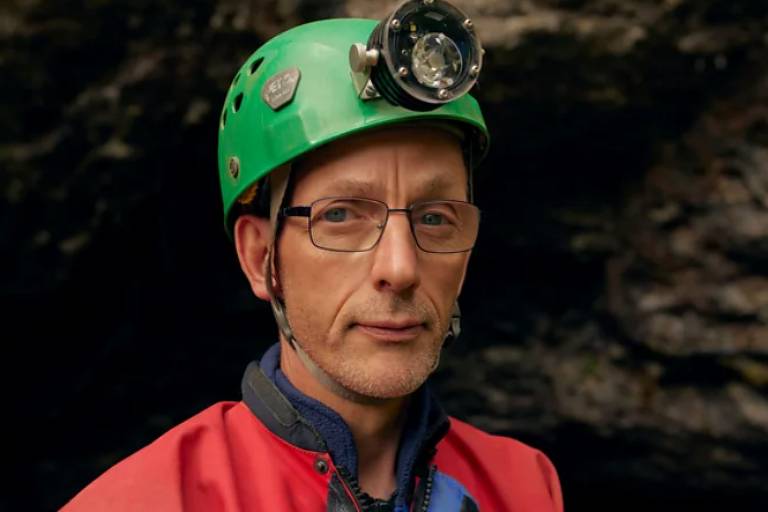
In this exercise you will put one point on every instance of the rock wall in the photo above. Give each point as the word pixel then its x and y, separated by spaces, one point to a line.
pixel 616 313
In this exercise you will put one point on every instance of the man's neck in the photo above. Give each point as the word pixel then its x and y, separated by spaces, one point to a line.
pixel 376 425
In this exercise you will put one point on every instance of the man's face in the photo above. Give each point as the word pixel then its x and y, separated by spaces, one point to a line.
pixel 375 321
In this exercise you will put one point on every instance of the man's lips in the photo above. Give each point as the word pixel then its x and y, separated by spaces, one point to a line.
pixel 391 331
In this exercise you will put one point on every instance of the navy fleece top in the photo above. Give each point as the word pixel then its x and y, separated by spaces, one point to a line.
pixel 425 424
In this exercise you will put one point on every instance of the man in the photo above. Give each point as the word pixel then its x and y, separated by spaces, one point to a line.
pixel 353 217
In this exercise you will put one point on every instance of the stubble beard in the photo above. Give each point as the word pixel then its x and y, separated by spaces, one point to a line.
pixel 336 354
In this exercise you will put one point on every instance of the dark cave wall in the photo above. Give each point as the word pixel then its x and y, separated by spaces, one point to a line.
pixel 616 311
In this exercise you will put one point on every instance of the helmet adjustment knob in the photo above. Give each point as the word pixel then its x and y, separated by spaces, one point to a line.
pixel 361 58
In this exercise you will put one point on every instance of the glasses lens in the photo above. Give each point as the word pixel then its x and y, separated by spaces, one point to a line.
pixel 436 60
pixel 347 224
pixel 445 226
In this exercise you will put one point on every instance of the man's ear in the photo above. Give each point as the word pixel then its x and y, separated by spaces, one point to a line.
pixel 252 238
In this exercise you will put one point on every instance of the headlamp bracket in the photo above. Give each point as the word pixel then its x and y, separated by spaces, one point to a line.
pixel 361 61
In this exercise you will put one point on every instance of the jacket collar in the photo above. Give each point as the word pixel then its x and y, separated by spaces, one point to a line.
pixel 308 424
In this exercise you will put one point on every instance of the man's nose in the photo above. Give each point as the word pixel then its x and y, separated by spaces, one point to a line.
pixel 395 265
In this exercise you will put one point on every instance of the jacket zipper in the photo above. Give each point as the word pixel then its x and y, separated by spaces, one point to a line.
pixel 427 482
pixel 349 491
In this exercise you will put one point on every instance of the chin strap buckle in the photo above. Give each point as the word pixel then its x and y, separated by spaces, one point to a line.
pixel 454 329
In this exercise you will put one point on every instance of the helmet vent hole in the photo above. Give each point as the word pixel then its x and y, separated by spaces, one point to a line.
pixel 255 65
pixel 236 104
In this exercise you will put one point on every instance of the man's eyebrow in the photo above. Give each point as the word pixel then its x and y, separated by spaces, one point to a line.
pixel 436 184
pixel 353 187
pixel 350 187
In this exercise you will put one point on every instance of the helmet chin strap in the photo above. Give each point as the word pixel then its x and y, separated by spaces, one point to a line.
pixel 278 309
pixel 278 186
pixel 279 180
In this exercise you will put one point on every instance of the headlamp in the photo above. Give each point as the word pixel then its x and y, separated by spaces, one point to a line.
pixel 423 55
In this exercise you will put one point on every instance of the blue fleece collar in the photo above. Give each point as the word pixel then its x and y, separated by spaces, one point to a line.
pixel 425 425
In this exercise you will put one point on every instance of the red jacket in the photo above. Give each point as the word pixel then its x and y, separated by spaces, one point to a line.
pixel 258 455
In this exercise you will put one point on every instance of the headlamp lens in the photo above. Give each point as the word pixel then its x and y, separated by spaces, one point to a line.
pixel 436 60
pixel 427 55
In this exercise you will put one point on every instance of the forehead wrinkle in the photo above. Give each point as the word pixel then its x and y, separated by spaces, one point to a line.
pixel 437 186
pixel 434 185
pixel 425 179
pixel 380 177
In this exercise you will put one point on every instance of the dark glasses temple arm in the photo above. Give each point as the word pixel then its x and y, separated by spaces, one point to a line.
pixel 296 211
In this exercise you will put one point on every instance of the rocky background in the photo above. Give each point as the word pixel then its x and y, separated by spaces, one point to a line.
pixel 616 313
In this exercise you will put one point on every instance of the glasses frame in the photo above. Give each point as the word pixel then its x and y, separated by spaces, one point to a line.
pixel 306 211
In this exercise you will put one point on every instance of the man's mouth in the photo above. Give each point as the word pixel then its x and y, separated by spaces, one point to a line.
pixel 391 331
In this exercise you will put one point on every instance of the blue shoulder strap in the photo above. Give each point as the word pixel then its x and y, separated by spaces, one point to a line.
pixel 446 495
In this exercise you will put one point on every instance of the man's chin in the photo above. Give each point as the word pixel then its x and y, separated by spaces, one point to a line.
pixel 382 377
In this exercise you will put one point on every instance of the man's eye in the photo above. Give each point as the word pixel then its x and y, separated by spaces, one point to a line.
pixel 432 219
pixel 335 215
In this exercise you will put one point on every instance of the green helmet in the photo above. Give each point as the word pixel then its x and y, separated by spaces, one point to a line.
pixel 297 93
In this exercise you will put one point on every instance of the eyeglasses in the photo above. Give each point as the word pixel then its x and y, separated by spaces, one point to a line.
pixel 355 224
